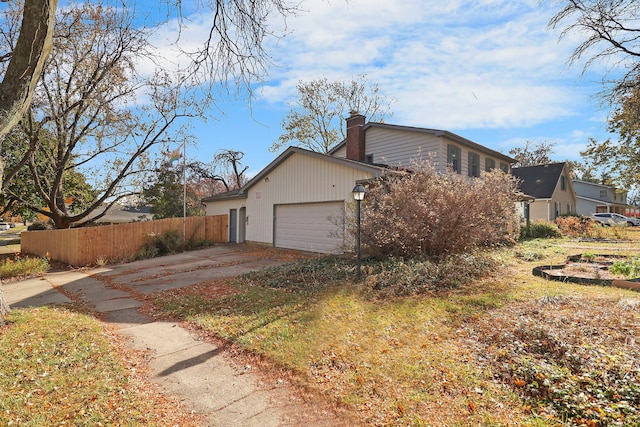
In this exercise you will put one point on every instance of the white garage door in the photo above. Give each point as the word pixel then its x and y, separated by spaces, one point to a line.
pixel 316 227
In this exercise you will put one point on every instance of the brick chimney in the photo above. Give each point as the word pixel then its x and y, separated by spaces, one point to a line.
pixel 355 137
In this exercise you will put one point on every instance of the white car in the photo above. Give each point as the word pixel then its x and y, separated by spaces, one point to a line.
pixel 614 218
pixel 4 226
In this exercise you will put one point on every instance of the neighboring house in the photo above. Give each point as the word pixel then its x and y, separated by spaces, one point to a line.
pixel 551 189
pixel 300 200
pixel 122 214
pixel 599 198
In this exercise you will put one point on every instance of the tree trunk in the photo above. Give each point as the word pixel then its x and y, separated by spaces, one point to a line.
pixel 23 72
pixel 27 61
pixel 4 307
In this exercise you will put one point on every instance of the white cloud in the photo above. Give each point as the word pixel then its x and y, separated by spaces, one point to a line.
pixel 456 64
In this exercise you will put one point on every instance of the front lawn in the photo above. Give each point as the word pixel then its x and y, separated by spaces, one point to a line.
pixel 506 348
pixel 59 369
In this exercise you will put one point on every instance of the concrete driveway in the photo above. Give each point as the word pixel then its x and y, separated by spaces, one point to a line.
pixel 196 371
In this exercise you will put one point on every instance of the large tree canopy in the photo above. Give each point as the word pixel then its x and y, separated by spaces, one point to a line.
pixel 316 119
pixel 232 52
pixel 92 111
pixel 610 33
pixel 106 112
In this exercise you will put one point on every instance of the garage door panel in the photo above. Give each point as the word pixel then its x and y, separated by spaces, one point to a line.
pixel 316 227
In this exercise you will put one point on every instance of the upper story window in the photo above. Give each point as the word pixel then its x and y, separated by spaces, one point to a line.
pixel 504 167
pixel 489 164
pixel 454 158
pixel 563 183
pixel 603 194
pixel 474 164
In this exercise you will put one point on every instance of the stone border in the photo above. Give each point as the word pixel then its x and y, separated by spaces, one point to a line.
pixel 632 284
pixel 580 258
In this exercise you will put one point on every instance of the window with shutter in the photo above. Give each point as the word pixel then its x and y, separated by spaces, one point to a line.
pixel 454 155
pixel 489 164
pixel 474 164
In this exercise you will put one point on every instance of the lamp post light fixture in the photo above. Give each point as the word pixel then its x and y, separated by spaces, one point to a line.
pixel 358 194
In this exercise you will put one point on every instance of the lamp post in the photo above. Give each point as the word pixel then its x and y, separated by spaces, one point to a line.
pixel 358 194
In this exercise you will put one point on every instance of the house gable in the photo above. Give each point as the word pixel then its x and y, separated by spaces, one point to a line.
pixel 300 178
pixel 296 177
pixel 539 181
pixel 551 187
pixel 594 197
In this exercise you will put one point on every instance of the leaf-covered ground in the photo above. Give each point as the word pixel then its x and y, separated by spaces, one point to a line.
pixel 572 359
pixel 64 368
pixel 505 348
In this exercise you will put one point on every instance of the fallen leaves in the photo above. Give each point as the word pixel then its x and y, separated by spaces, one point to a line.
pixel 65 371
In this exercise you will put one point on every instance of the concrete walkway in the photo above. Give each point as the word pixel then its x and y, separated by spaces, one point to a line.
pixel 194 370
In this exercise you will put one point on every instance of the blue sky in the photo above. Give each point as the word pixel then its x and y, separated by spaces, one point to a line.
pixel 488 70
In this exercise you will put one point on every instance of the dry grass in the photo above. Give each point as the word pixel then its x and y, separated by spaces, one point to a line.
pixel 505 349
pixel 13 266
pixel 59 368
pixel 447 358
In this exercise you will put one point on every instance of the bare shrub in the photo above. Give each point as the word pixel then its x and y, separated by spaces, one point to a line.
pixel 434 214
pixel 576 226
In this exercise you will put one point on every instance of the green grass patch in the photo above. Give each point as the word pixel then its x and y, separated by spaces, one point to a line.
pixel 17 266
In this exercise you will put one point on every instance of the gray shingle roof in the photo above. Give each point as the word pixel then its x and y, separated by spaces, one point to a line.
pixel 539 181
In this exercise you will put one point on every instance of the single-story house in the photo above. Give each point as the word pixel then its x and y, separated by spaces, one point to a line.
pixel 597 198
pixel 300 200
pixel 551 189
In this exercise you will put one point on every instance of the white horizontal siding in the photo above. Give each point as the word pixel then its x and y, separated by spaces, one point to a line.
pixel 222 207
pixel 402 148
pixel 299 179
pixel 341 153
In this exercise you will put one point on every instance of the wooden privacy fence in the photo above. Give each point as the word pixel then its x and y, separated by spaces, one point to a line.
pixel 89 245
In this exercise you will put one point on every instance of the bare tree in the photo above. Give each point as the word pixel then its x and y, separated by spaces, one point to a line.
pixel 232 53
pixel 231 161
pixel 316 118
pixel 611 31
pixel 226 168
pixel 86 114
pixel 611 28
pixel 233 48
pixel 532 154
